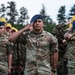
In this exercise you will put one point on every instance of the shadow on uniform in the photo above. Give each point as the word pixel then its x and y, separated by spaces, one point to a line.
pixel 59 32
pixel 18 61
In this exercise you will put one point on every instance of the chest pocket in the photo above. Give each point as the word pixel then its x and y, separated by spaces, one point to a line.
pixel 38 41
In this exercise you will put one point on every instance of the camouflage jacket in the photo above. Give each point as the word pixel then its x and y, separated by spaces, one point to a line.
pixel 38 49
pixel 71 51
pixel 18 52
pixel 3 51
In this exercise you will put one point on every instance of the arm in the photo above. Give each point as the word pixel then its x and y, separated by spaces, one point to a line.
pixel 54 57
pixel 9 63
pixel 67 37
pixel 54 54
pixel 15 35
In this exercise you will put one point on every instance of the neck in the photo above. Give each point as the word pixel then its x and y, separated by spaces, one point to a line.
pixel 37 31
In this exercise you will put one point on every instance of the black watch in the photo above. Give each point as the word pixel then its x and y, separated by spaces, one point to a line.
pixel 53 71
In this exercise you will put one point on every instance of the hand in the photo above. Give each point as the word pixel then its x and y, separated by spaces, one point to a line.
pixel 70 35
pixel 9 70
pixel 28 27
pixel 64 41
pixel 52 73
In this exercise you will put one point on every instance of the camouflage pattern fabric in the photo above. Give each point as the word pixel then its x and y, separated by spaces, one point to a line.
pixel 38 52
pixel 18 60
pixel 59 32
pixel 3 52
pixel 71 55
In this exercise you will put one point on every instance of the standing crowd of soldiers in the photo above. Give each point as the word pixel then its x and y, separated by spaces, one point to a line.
pixel 33 51
pixel 12 55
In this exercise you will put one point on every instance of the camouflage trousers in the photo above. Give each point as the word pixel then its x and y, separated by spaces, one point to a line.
pixel 62 68
pixel 37 74
pixel 2 72
pixel 71 71
pixel 3 68
pixel 17 71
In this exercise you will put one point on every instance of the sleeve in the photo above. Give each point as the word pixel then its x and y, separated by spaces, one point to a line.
pixel 10 48
pixel 22 39
pixel 53 44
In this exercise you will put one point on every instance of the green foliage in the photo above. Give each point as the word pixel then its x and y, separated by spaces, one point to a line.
pixel 2 10
pixel 12 13
pixel 61 15
pixel 18 26
pixel 46 18
pixel 23 16
pixel 72 11
pixel 49 27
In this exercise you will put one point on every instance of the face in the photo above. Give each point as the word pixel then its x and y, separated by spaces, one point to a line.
pixel 12 31
pixel 2 29
pixel 8 29
pixel 38 24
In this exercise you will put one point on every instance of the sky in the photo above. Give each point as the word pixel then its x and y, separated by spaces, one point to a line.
pixel 35 6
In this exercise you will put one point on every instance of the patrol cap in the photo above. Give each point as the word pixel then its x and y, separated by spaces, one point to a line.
pixel 35 17
pixel 14 29
pixel 73 18
pixel 3 20
pixel 70 25
pixel 8 25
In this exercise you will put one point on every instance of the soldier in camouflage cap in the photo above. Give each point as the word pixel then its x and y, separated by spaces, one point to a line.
pixel 70 38
pixel 41 48
pixel 59 32
pixel 3 44
pixel 16 57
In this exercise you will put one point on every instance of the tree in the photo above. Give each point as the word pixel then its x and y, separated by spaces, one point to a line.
pixel 61 15
pixel 49 25
pixel 12 12
pixel 2 10
pixel 72 11
pixel 46 18
pixel 23 16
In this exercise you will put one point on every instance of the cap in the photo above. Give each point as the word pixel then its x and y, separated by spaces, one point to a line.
pixel 2 23
pixel 8 25
pixel 73 18
pixel 70 25
pixel 13 28
pixel 3 20
pixel 35 17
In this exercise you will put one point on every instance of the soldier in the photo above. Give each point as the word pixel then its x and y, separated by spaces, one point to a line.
pixel 13 29
pixel 3 44
pixel 16 57
pixel 41 47
pixel 58 32
pixel 8 28
pixel 70 38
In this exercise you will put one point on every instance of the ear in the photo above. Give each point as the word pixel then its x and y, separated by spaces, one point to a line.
pixel 32 23
pixel 43 24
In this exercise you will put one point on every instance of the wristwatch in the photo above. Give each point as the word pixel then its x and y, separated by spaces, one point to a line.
pixel 53 71
pixel 9 67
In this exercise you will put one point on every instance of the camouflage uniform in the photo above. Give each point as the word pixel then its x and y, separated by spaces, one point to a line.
pixel 71 55
pixel 3 52
pixel 59 32
pixel 18 60
pixel 38 49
